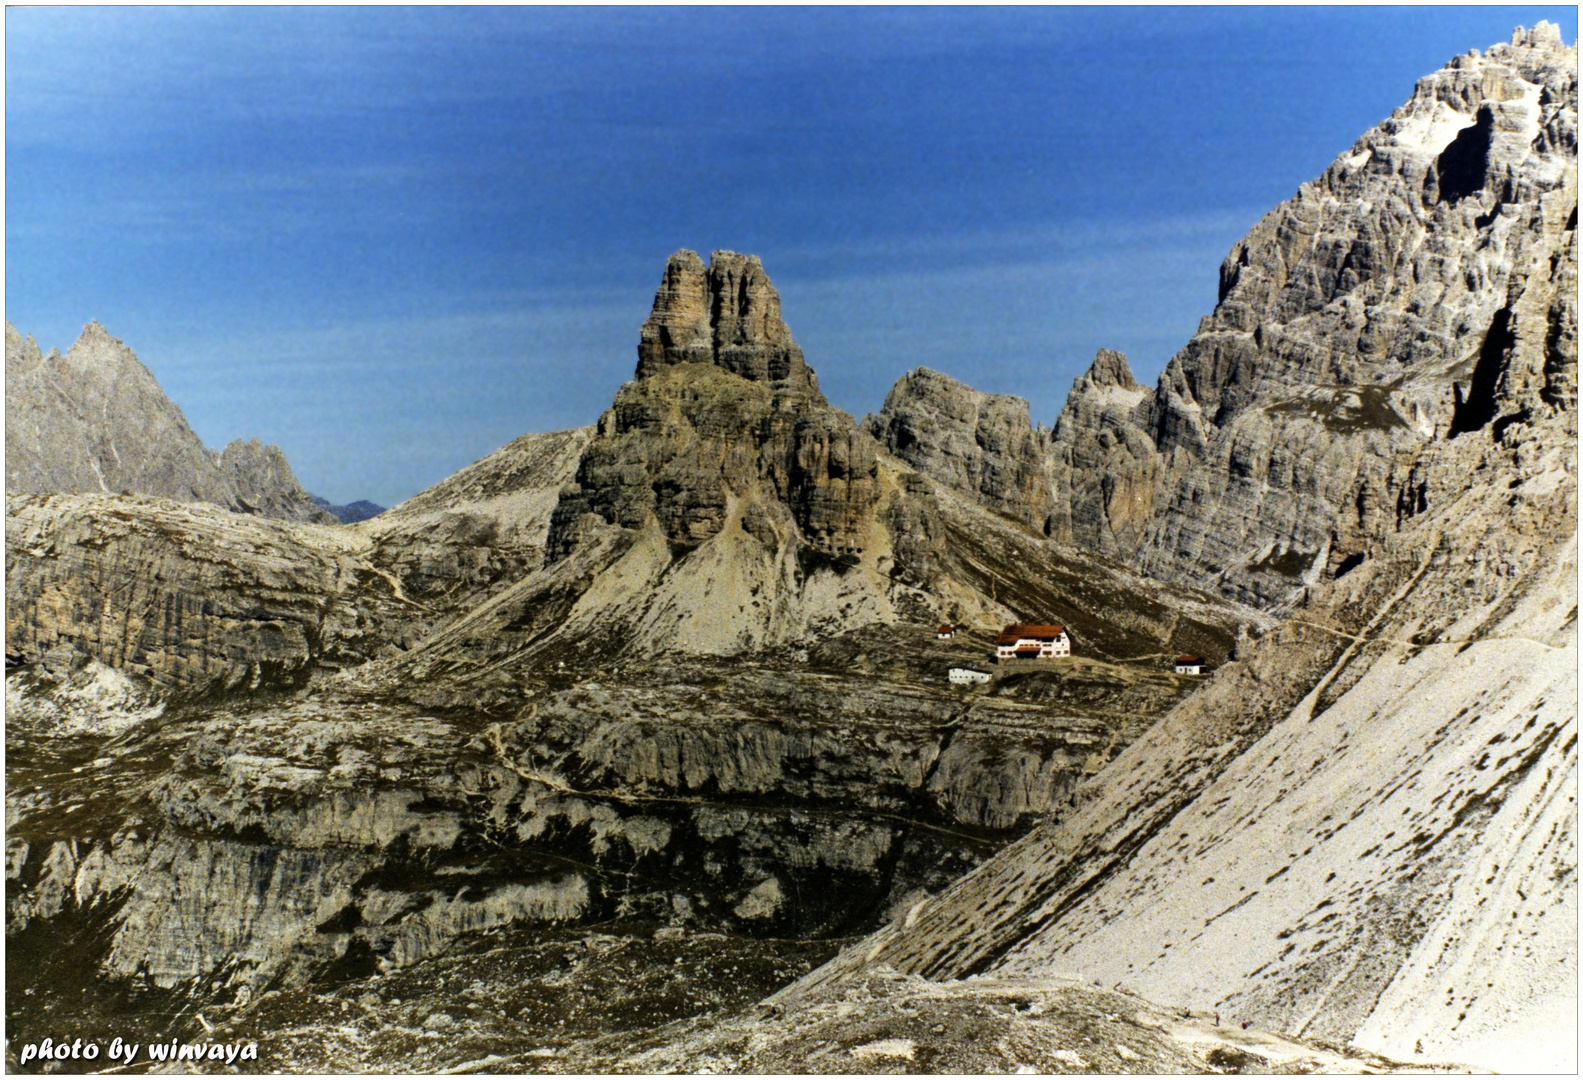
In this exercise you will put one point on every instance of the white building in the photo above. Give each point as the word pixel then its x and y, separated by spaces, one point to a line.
pixel 961 675
pixel 1032 641
pixel 1189 665
pixel 945 631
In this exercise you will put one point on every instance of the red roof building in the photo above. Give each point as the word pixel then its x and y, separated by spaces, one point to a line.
pixel 1032 641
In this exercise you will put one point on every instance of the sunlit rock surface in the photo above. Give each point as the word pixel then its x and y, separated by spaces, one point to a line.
pixel 95 420
pixel 1364 828
pixel 568 761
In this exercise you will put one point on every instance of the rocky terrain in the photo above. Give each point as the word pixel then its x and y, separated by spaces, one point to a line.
pixel 1364 828
pixel 629 748
pixel 95 420
pixel 674 676
pixel 1359 322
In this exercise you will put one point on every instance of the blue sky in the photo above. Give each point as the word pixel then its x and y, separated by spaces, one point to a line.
pixel 391 240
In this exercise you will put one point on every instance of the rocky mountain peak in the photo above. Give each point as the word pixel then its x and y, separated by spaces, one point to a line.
pixel 21 353
pixel 1422 288
pixel 96 346
pixel 1545 35
pixel 94 331
pixel 976 442
pixel 1110 368
pixel 263 481
pixel 96 420
pixel 727 314
pixel 1101 458
pixel 723 418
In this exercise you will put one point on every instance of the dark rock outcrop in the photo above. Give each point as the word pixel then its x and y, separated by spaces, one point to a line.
pixel 724 418
pixel 95 420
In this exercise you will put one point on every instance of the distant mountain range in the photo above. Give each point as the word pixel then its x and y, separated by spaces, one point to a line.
pixel 361 510
pixel 96 420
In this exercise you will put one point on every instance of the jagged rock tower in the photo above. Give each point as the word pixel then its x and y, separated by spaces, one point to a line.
pixel 727 314
pixel 723 421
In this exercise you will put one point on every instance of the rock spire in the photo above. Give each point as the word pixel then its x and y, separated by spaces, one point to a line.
pixel 727 314
pixel 723 411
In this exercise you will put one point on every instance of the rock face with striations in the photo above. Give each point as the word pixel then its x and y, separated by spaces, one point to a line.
pixel 95 420
pixel 187 596
pixel 723 421
pixel 1386 305
pixel 1101 460
pixel 727 314
pixel 976 442
pixel 1363 829
pixel 1415 291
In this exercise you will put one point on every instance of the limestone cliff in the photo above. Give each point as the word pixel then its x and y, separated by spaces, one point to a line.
pixel 976 442
pixel 1380 309
pixel 724 420
pixel 1385 306
pixel 1363 829
pixel 1103 467
pixel 95 420
pixel 187 596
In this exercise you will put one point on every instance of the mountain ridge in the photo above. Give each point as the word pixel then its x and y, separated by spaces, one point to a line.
pixel 96 420
pixel 1356 323
pixel 1410 728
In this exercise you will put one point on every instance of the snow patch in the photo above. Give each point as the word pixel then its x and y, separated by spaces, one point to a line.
pixel 1430 133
